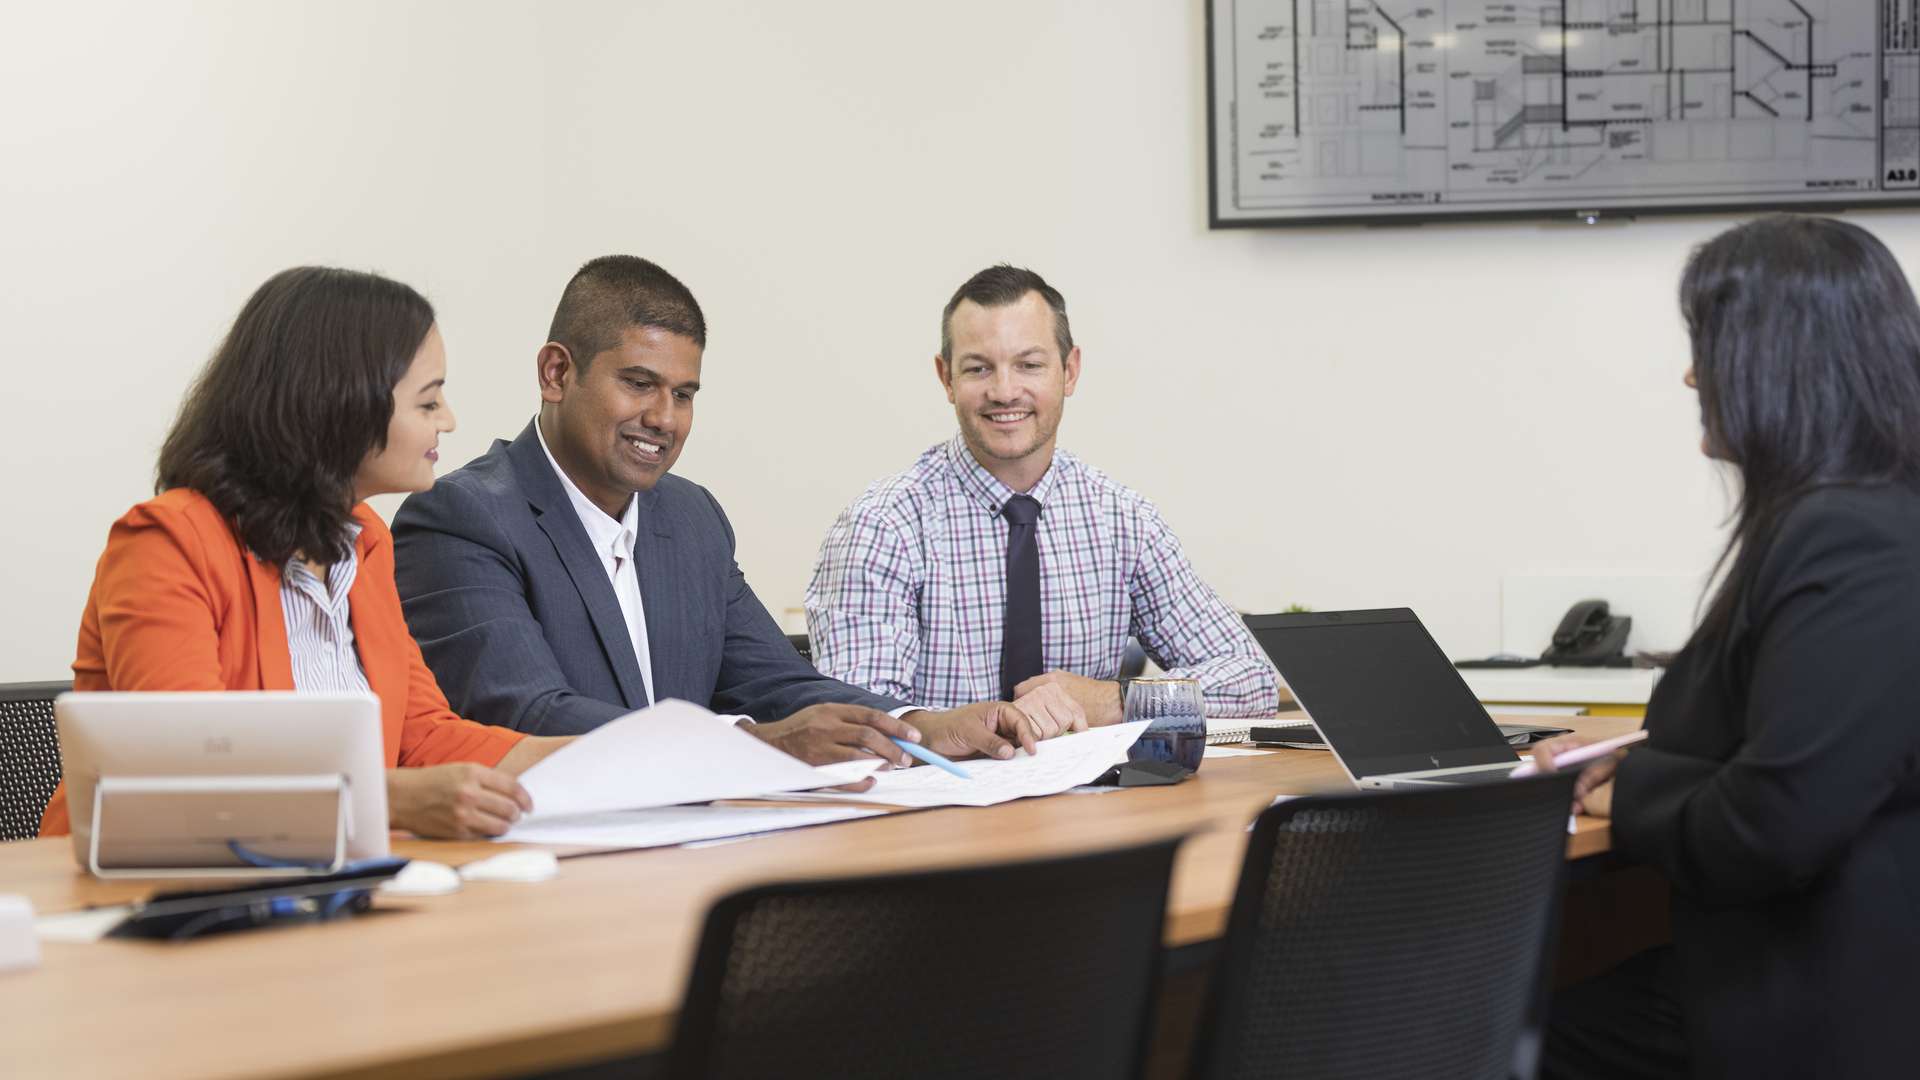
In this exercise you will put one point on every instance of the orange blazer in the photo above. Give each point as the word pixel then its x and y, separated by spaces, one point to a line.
pixel 179 604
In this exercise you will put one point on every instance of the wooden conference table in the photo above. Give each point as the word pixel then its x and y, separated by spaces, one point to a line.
pixel 504 978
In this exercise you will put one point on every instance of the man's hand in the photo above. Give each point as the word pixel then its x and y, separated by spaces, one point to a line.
pixel 463 801
pixel 1050 710
pixel 1099 699
pixel 984 729
pixel 1593 791
pixel 824 734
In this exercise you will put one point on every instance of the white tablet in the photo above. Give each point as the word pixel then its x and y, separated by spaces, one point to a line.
pixel 224 782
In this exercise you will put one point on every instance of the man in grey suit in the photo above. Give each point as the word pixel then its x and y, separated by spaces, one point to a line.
pixel 564 579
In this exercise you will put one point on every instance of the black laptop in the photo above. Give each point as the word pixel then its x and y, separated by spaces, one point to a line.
pixel 1385 698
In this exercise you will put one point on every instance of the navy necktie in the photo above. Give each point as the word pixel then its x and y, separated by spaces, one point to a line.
pixel 1020 639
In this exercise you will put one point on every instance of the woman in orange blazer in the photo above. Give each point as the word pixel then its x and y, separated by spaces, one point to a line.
pixel 328 390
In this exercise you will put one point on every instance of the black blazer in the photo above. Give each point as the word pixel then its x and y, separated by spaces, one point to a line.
pixel 1779 792
pixel 517 619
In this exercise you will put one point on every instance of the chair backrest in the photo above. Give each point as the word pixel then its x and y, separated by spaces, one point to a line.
pixel 803 645
pixel 29 755
pixel 1408 933
pixel 1035 969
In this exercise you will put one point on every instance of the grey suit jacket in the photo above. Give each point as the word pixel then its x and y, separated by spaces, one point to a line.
pixel 520 625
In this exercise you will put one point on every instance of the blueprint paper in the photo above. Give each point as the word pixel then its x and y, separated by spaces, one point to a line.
pixel 672 753
pixel 661 826
pixel 1063 763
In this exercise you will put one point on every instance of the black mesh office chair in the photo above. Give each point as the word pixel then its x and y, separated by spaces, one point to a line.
pixel 29 755
pixel 1394 934
pixel 1037 969
pixel 803 646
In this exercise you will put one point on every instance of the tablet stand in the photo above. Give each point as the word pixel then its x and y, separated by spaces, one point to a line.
pixel 273 826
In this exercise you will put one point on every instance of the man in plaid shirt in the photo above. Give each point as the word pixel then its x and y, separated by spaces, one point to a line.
pixel 998 567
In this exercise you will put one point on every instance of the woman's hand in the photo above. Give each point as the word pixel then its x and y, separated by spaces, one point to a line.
pixel 462 801
pixel 1597 802
pixel 1593 791
pixel 528 751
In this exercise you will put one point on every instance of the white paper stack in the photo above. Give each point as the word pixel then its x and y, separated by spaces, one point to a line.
pixel 664 826
pixel 671 754
pixel 1062 763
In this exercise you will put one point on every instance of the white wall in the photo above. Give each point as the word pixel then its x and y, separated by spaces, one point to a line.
pixel 1332 417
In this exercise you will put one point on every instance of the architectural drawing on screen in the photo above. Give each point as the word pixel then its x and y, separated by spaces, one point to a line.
pixel 1374 105
pixel 1605 85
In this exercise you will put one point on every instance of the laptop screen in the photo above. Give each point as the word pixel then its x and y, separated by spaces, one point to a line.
pixel 1381 691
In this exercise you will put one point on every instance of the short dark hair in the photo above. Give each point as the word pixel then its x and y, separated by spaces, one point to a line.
pixel 614 292
pixel 998 286
pixel 1806 352
pixel 295 398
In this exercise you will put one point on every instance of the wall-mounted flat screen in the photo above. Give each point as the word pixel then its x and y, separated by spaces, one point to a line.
pixel 1399 110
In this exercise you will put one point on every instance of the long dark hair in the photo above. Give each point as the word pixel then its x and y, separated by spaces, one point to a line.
pixel 292 402
pixel 1806 350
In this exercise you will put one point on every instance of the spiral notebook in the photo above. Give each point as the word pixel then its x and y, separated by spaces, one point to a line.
pixel 1226 730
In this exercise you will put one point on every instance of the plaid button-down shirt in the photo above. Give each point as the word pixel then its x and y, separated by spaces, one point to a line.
pixel 908 595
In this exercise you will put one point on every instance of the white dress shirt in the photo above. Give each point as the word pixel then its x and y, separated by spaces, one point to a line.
pixel 613 542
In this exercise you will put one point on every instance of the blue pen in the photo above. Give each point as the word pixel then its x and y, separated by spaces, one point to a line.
pixel 930 757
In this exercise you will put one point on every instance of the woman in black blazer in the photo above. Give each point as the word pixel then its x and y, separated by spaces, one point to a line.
pixel 1779 790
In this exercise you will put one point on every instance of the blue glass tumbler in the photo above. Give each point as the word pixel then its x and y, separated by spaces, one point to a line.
pixel 1179 729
